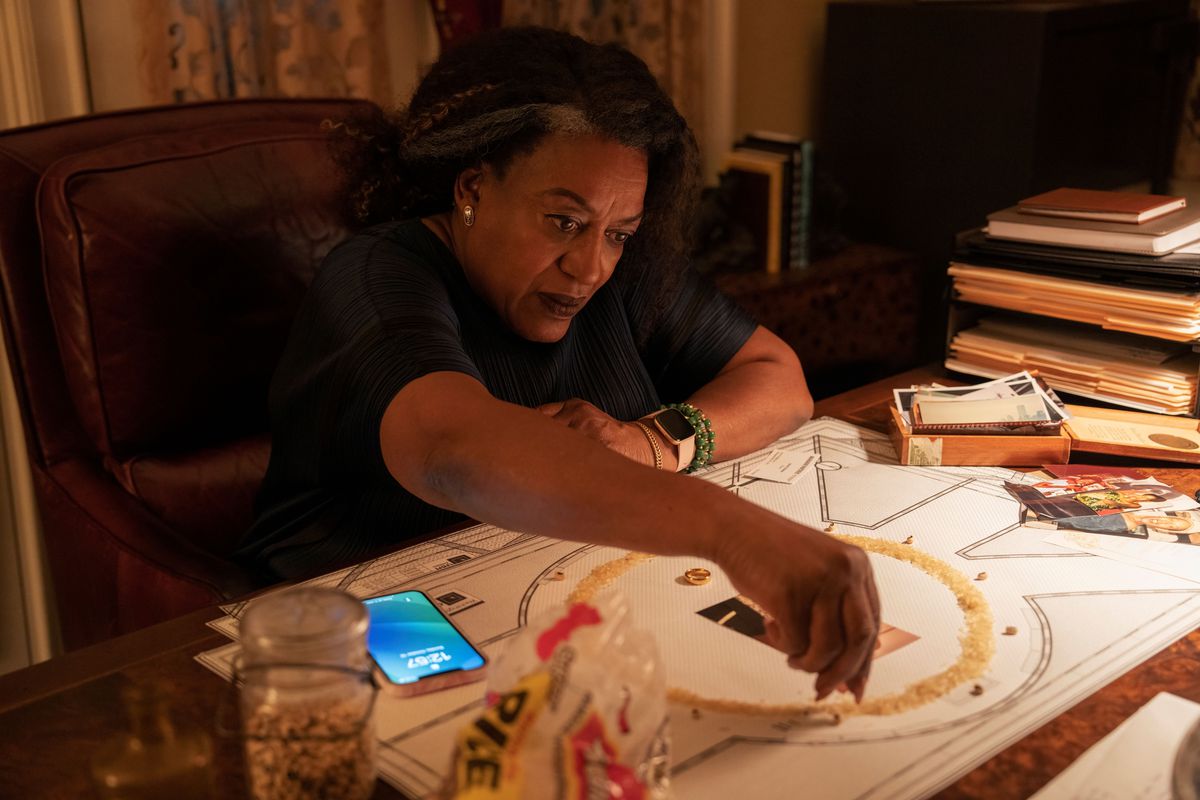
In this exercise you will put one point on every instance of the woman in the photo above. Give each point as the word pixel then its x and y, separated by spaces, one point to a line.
pixel 503 351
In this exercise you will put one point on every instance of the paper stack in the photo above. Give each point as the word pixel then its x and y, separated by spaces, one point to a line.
pixel 1147 374
pixel 1097 291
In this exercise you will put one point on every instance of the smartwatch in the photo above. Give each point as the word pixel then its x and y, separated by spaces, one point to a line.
pixel 672 423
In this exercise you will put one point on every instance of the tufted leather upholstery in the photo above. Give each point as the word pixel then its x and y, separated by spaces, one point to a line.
pixel 151 262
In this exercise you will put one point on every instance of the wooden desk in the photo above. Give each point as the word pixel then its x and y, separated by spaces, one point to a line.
pixel 54 715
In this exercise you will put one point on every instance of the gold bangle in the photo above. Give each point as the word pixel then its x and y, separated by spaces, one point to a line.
pixel 653 444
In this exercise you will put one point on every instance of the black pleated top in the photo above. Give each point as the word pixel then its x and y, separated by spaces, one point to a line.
pixel 392 304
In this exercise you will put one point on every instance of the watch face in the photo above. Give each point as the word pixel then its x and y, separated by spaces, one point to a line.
pixel 675 424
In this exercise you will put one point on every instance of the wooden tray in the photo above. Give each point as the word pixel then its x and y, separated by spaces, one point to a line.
pixel 1134 433
pixel 978 451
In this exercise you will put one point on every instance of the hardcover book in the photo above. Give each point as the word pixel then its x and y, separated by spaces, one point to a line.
pixel 1161 235
pixel 1127 207
pixel 797 191
pixel 758 199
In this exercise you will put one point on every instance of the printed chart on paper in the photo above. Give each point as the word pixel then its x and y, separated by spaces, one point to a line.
pixel 1066 623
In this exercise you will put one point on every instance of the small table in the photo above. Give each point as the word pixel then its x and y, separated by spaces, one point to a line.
pixel 54 715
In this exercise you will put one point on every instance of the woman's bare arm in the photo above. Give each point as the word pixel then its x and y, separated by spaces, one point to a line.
pixel 757 397
pixel 448 441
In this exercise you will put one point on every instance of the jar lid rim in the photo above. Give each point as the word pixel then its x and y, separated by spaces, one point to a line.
pixel 303 615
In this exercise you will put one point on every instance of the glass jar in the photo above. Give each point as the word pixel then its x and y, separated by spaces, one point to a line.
pixel 307 699
pixel 153 759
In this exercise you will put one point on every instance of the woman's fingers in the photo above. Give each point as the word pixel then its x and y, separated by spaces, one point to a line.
pixel 861 629
pixel 827 620
pixel 551 409
pixel 826 639
pixel 580 415
pixel 790 637
pixel 858 684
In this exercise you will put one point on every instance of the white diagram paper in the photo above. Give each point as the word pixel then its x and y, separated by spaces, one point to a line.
pixel 1076 621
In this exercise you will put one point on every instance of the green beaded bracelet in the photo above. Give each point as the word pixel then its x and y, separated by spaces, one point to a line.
pixel 704 434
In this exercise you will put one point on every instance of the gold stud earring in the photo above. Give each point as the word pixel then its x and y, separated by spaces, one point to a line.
pixel 469 215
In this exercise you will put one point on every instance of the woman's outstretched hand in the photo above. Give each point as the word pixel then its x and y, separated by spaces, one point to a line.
pixel 819 594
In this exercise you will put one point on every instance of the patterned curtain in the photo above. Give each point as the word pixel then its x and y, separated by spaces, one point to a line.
pixel 668 35
pixel 207 49
pixel 460 19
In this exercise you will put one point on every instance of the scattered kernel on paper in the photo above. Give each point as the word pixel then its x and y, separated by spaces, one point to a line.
pixel 908 540
pixel 831 527
pixel 1010 630
pixel 976 690
pixel 976 644
pixel 981 576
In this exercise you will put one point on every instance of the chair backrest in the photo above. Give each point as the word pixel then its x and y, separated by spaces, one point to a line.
pixel 152 261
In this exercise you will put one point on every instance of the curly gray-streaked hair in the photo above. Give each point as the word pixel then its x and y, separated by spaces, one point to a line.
pixel 493 98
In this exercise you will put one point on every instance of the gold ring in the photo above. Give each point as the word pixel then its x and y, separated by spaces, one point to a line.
pixel 698 576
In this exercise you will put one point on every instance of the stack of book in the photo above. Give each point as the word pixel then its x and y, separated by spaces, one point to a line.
pixel 1122 222
pixel 1121 269
pixel 771 175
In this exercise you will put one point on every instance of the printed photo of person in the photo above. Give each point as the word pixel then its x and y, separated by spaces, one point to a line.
pixel 1142 496
pixel 1182 527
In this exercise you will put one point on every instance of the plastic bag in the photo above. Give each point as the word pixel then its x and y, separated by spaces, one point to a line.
pixel 577 709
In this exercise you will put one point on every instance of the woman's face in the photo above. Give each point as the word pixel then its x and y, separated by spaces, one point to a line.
pixel 549 233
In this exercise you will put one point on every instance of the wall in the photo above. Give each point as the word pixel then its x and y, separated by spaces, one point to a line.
pixel 779 52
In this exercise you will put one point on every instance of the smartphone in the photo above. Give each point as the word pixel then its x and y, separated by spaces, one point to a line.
pixel 416 648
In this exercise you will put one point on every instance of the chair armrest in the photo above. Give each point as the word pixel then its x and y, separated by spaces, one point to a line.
pixel 115 566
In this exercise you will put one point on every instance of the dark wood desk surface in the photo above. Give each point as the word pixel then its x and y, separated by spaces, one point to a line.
pixel 54 715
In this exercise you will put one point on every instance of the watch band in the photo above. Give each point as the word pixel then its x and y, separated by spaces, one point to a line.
pixel 685 444
pixel 687 451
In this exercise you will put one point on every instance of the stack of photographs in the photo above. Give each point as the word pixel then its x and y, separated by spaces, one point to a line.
pixel 1014 404
pixel 1140 508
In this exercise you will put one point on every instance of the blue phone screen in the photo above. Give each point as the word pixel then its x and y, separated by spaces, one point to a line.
pixel 410 639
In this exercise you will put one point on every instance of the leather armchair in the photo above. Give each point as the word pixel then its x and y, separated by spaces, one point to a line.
pixel 150 265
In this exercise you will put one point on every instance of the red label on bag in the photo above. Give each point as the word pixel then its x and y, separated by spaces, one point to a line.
pixel 577 616
pixel 593 766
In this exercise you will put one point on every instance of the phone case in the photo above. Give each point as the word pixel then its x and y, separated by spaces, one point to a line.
pixel 430 683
